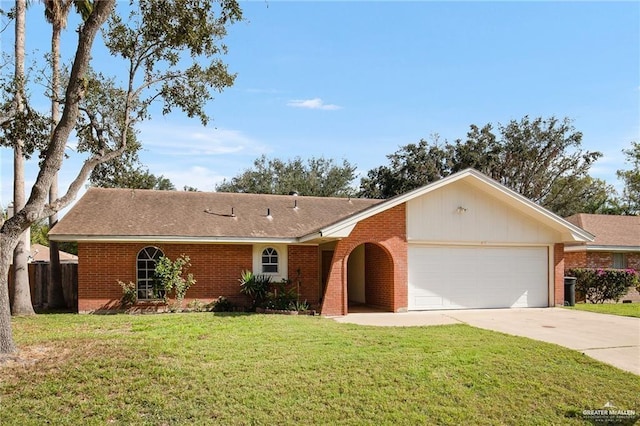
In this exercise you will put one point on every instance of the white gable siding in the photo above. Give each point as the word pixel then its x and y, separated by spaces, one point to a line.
pixel 434 217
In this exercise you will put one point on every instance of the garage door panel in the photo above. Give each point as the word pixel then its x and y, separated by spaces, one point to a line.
pixel 477 277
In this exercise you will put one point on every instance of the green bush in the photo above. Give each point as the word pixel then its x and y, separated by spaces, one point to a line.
pixel 599 285
pixel 255 286
pixel 170 276
pixel 197 306
pixel 129 294
pixel 282 296
pixel 222 304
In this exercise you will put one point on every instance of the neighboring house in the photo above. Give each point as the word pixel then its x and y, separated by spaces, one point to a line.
pixel 616 244
pixel 40 253
pixel 462 242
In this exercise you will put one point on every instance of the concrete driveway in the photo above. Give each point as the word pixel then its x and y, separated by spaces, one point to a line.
pixel 612 339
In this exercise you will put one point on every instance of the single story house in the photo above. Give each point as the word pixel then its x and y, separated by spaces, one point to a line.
pixel 616 244
pixel 40 253
pixel 465 241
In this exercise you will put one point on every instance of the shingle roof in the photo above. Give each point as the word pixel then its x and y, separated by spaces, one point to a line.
pixel 610 230
pixel 116 213
pixel 40 253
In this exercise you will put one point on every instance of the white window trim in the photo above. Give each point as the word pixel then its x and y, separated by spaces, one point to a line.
pixel 137 272
pixel 282 250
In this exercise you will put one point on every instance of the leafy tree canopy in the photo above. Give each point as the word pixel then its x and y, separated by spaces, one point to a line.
pixel 539 158
pixel 110 175
pixel 630 202
pixel 319 177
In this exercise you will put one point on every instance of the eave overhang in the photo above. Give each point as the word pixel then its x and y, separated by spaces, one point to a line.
pixel 171 239
pixel 595 247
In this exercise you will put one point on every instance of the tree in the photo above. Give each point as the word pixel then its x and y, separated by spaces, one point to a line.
pixel 127 172
pixel 589 195
pixel 56 13
pixel 165 60
pixel 318 177
pixel 410 167
pixel 24 130
pixel 541 159
pixel 21 291
pixel 39 232
pixel 631 178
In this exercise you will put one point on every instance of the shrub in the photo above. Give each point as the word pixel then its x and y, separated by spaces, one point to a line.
pixel 170 276
pixel 222 304
pixel 255 286
pixel 281 297
pixel 129 294
pixel 299 306
pixel 599 285
pixel 197 306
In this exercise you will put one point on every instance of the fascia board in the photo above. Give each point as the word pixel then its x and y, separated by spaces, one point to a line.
pixel 170 239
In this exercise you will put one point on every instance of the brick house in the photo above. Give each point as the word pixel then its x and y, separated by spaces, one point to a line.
pixel 616 244
pixel 462 242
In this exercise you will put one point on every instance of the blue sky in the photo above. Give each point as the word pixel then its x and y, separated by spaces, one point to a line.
pixel 356 80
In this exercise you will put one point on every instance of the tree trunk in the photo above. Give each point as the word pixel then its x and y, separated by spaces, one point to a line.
pixel 55 294
pixel 6 336
pixel 22 293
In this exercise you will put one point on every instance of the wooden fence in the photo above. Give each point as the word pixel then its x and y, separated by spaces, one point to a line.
pixel 39 282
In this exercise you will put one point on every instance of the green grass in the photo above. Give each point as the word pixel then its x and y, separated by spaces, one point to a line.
pixel 268 369
pixel 622 309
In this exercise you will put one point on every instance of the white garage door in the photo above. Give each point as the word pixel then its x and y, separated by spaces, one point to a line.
pixel 477 277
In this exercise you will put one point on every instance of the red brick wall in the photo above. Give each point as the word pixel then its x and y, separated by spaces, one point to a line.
pixel 378 272
pixel 306 260
pixel 558 262
pixel 575 259
pixel 387 229
pixel 216 269
pixel 598 259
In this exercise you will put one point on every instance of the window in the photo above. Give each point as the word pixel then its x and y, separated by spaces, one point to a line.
pixel 146 266
pixel 619 261
pixel 269 261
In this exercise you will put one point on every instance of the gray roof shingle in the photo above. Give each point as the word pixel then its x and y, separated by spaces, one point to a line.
pixel 103 212
pixel 609 230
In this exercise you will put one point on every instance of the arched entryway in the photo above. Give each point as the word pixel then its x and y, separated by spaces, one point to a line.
pixel 370 279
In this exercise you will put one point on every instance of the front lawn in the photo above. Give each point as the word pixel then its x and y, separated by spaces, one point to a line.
pixel 263 369
pixel 622 309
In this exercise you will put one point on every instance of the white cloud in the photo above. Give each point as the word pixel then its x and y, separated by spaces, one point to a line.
pixel 198 141
pixel 315 103
pixel 202 178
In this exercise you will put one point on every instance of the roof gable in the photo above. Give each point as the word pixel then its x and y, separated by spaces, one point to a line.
pixel 568 231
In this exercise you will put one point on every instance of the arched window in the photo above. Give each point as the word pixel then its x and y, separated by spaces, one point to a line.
pixel 269 261
pixel 146 265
